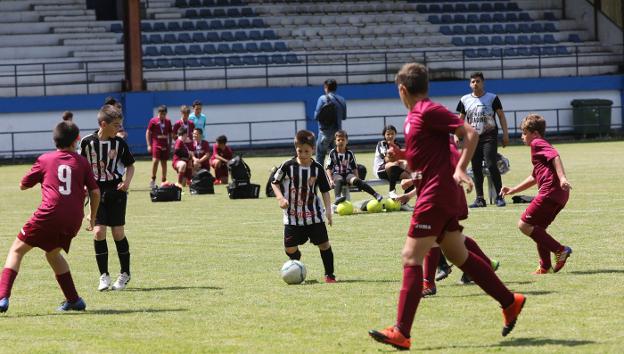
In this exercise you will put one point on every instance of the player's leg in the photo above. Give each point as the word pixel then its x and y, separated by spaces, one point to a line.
pixel 180 168
pixel 163 166
pixel 11 267
pixel 318 236
pixel 292 239
pixel 477 170
pixel 444 269
pixel 490 154
pixel 63 277
pixel 453 245
pixel 101 253
pixel 545 243
pixel 321 146
pixel 430 264
pixel 394 174
pixel 364 186
pixel 338 184
pixel 123 252
pixel 472 246
pixel 155 162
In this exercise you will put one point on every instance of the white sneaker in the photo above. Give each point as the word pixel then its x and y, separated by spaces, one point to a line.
pixel 121 281
pixel 406 207
pixel 392 195
pixel 104 282
pixel 152 184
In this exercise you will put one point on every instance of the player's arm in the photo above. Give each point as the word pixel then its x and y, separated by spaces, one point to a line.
pixel 148 139
pixel 503 122
pixel 283 203
pixel 125 184
pixel 94 197
pixel 328 209
pixel 34 176
pixel 563 180
pixel 470 138
pixel 524 185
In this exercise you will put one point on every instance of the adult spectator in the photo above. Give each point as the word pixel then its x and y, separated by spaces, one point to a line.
pixel 331 110
pixel 480 108
pixel 198 118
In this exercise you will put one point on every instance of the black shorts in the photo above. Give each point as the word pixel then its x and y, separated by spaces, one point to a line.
pixel 112 209
pixel 295 235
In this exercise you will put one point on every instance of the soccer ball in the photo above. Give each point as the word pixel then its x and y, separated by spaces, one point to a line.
pixel 393 205
pixel 345 208
pixel 374 206
pixel 293 272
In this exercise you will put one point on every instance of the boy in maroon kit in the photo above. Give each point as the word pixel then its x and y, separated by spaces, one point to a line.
pixel 221 154
pixel 552 196
pixel 201 151
pixel 63 175
pixel 182 157
pixel 158 138
pixel 185 111
pixel 435 219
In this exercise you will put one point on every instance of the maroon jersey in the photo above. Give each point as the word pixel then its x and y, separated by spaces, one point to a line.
pixel 181 151
pixel 542 154
pixel 427 129
pixel 226 152
pixel 190 126
pixel 200 149
pixel 160 131
pixel 63 176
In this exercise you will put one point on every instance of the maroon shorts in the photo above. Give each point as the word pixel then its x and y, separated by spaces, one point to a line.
pixel 160 153
pixel 47 237
pixel 429 220
pixel 542 211
pixel 188 173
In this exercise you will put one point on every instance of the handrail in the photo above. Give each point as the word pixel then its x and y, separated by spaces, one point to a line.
pixel 514 118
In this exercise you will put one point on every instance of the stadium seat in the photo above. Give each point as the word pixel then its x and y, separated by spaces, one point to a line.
pixel 116 27
pixel 499 6
pixel 523 40
pixel 446 18
pixel 496 52
pixel 216 24
pixel 155 39
pixel 524 28
pixel 144 39
pixel 163 63
pixel 278 59
pixel 470 53
pixel 280 47
pixel 224 48
pixel 212 37
pixel 146 27
pixel 149 64
pixel 174 26
pixel 236 2
pixel 574 38
pixel 422 8
pixel 537 27
pixel 233 12
pixel 206 62
pixel 262 59
pixel 244 23
pixel 472 7
pixel 166 50
pixel 208 3
pixel 181 3
pixel 219 13
pixel 202 25
pixel 266 47
pixel 206 13
pixel 221 2
pixel 549 50
pixel 470 41
pixel 446 30
pixel 191 63
pixel 230 24
pixel 220 61
pixel 170 38
pixel 247 12
pixel 199 37
pixel 549 39
pixel 151 51
pixel 550 27
pixel 536 39
pixel 509 52
pixel 536 51
pixel 511 28
pixel 226 36
pixel 498 28
pixel 159 27
pixel 448 8
pixel 497 40
pixel 459 18
pixel 485 29
pixel 483 41
pixel 234 60
pixel 257 22
pixel 458 29
pixel 249 60
pixel 523 16
pixel 240 36
pixel 499 17
pixel 562 50
pixel 485 17
pixel 269 34
pixel 523 51
pixel 188 26
pixel 191 13
pixel 194 3
pixel 457 41
pixel 472 29
pixel 210 49
pixel 180 50
pixel 184 38
pixel 472 18
pixel 255 35
pixel 512 6
pixel 238 48
pixel 487 7
pixel 461 8
pixel 550 16
pixel 483 53
pixel 251 47
pixel 434 19
pixel 177 62
pixel 435 8
pixel 510 40
pixel 511 17
pixel 195 49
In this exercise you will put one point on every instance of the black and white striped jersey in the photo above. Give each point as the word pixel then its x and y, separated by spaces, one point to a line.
pixel 108 158
pixel 342 163
pixel 381 151
pixel 299 184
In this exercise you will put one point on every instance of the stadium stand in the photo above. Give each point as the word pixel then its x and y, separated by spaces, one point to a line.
pixel 202 37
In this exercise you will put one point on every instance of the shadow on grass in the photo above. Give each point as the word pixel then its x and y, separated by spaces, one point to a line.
pixel 522 282
pixel 535 293
pixel 174 288
pixel 596 271
pixel 519 342
pixel 342 281
pixel 101 312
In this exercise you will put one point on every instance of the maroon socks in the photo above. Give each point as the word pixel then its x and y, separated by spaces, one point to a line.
pixel 6 282
pixel 472 246
pixel 409 297
pixel 483 275
pixel 67 286
pixel 544 254
pixel 430 265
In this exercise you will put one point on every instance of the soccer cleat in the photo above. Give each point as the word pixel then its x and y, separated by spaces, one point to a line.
pixel 428 290
pixel 121 281
pixel 443 272
pixel 465 279
pixel 540 271
pixel 478 203
pixel 78 305
pixel 379 197
pixel 105 282
pixel 495 264
pixel 340 199
pixel 152 184
pixel 561 258
pixel 330 279
pixel 405 207
pixel 511 313
pixel 500 202
pixel 391 336
pixel 392 195
pixel 4 304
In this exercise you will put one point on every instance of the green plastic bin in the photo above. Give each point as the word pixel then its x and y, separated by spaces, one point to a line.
pixel 591 116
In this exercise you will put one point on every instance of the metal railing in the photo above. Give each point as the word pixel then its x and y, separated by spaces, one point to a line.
pixel 283 137
pixel 370 67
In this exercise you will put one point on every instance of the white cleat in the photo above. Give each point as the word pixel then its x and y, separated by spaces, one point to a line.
pixel 105 282
pixel 121 281
pixel 152 184
pixel 392 195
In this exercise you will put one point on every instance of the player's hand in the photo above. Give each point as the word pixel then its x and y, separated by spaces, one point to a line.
pixel 330 217
pixel 505 140
pixel 565 185
pixel 395 152
pixel 461 178
pixel 404 198
pixel 123 186
pixel 91 225
pixel 505 191
pixel 149 148
pixel 283 203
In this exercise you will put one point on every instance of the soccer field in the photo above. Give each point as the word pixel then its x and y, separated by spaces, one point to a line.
pixel 205 275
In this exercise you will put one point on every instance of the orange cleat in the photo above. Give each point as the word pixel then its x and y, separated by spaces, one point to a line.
pixel 511 313
pixel 540 271
pixel 428 290
pixel 391 336
pixel 562 257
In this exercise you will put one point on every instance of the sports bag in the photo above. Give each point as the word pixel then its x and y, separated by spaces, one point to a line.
pixel 202 183
pixel 268 190
pixel 243 190
pixel 166 193
pixel 327 116
pixel 239 170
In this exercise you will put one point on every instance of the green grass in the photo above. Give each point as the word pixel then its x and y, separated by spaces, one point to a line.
pixel 205 276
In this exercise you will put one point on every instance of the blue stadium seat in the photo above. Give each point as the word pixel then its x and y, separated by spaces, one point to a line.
pixel 181 3
pixel 482 41
pixel 457 41
pixel 448 8
pixel 487 7
pixel 255 35
pixel 149 64
pixel 269 34
pixel 550 16
pixel 537 27
pixel 511 17
pixel 510 40
pixel 216 24
pixel 422 8
pixel 472 18
pixel 262 59
pixel 278 59
pixel 222 3
pixel 146 27
pixel 511 28
pixel 499 17
pixel 470 41
pixel 470 53
pixel 524 28
pixel 191 63
pixel 498 28
pixel 218 13
pixel 202 25
pixel 266 47
pixel 562 50
pixel 170 38
pixel 206 62
pixel 251 47
pixel 145 39
pixel 238 48
pixel 435 8
pixel 240 36
pixel 499 6
pixel 180 50
pixel 497 40
pixel 208 3
pixel 199 37
pixel 446 18
pixel 550 27
pixel 457 29
pixel 485 29
pixel 210 49
pixel 233 12
pixel 244 23
pixel 574 38
pixel 206 13
pixel 472 29
pixel 184 38
pixel 159 27
pixel 483 53
pixel 194 3
pixel 446 30
pixel 549 39
pixel 191 13
pixel 485 17
pixel 459 18
pixel 116 27
pixel 536 51
pixel 151 51
pixel 512 6
pixel 155 38
pixel 188 26
pixel 220 61
pixel 496 52
pixel 236 2
pixel 472 7
pixel 224 48
pixel 174 27
pixel 230 23
pixel 523 40
pixel 163 63
pixel 549 50
pixel 235 60
pixel 536 39
pixel 510 52
pixel 523 16
pixel 280 47
pixel 195 49
pixel 523 51
pixel 435 19
pixel 257 22
pixel 166 50
pixel 212 37
pixel 249 60
pixel 461 8
pixel 226 36
pixel 177 62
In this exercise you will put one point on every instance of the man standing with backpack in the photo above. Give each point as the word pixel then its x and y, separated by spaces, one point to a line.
pixel 331 110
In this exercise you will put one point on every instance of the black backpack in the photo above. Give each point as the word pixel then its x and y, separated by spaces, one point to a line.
pixel 268 190
pixel 202 183
pixel 167 193
pixel 239 170
pixel 327 116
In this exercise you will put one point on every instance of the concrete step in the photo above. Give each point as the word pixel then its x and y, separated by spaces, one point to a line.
pixel 108 54
pixel 6 6
pixel 54 2
pixel 68 18
pixel 25 28
pixel 19 16
pixel 78 29
pixel 160 4
pixel 90 41
pixel 166 16
pixel 67 12
pixel 80 6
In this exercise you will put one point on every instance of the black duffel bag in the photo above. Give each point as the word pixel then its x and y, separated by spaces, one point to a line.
pixel 166 193
pixel 202 183
pixel 243 190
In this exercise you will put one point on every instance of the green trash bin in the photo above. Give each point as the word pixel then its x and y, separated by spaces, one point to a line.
pixel 591 116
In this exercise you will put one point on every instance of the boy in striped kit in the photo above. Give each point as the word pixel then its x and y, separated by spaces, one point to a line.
pixel 295 184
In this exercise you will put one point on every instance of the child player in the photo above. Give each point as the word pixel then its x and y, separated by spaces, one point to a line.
pixel 201 151
pixel 158 137
pixel 436 213
pixel 221 154
pixel 342 169
pixel 393 171
pixel 295 184
pixel 182 157
pixel 63 175
pixel 552 195
pixel 184 121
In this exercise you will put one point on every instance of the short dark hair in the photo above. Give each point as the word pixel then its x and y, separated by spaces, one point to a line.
pixel 181 131
pixel 200 130
pixel 109 113
pixel 67 115
pixel 388 127
pixel 65 133
pixel 534 123
pixel 162 108
pixel 414 77
pixel 477 74
pixel 331 85
pixel 341 133
pixel 305 137
pixel 112 101
pixel 185 109
pixel 197 103
pixel 222 139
